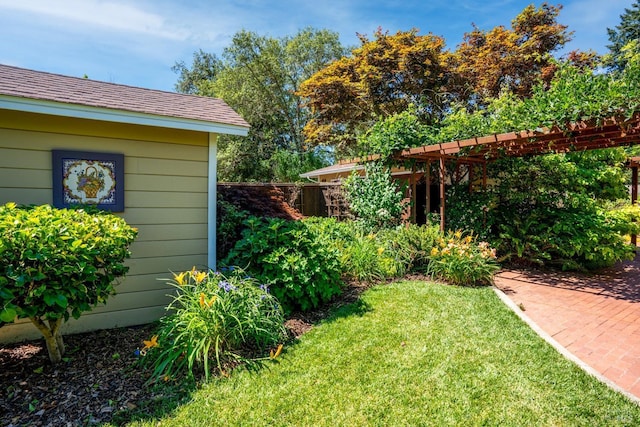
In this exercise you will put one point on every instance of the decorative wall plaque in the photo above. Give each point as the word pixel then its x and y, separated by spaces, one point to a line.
pixel 86 178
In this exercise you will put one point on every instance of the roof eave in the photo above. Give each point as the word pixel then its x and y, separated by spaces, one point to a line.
pixel 117 116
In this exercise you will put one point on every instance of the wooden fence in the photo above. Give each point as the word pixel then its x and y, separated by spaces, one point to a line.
pixel 323 199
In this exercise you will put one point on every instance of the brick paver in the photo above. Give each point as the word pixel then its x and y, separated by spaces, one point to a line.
pixel 595 317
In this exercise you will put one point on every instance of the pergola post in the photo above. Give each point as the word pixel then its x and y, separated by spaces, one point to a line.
pixel 634 195
pixel 442 207
pixel 413 193
pixel 428 183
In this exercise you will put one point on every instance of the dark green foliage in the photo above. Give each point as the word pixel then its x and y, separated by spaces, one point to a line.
pixel 57 263
pixel 229 225
pixel 627 31
pixel 286 166
pixel 203 71
pixel 291 258
pixel 469 211
pixel 543 210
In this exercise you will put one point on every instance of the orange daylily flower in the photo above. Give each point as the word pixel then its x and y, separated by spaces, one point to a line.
pixel 153 342
pixel 275 354
pixel 204 302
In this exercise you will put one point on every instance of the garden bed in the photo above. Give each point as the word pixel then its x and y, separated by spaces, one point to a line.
pixel 100 376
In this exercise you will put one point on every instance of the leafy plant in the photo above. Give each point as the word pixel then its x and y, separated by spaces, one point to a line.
pixel 391 252
pixel 375 198
pixel 461 261
pixel 58 263
pixel 364 259
pixel 625 217
pixel 394 133
pixel 229 226
pixel 410 245
pixel 291 258
pixel 214 318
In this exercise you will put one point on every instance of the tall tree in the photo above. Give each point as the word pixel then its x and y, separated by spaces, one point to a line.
pixel 204 69
pixel 627 31
pixel 487 62
pixel 382 77
pixel 259 76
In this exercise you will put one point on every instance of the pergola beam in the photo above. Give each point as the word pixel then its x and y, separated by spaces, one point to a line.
pixel 442 192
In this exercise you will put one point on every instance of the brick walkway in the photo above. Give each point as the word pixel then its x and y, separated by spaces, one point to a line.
pixel 594 317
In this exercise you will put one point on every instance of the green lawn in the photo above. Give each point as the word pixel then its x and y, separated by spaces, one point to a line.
pixel 411 353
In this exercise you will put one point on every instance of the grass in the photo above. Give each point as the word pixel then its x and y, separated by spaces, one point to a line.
pixel 411 353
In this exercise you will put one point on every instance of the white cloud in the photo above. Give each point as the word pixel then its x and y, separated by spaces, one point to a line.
pixel 110 15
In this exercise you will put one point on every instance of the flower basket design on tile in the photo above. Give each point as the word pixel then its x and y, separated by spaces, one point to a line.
pixel 90 182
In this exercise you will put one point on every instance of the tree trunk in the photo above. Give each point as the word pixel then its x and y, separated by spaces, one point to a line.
pixel 52 337
pixel 60 343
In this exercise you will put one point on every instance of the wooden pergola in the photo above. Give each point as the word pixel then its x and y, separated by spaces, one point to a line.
pixel 576 137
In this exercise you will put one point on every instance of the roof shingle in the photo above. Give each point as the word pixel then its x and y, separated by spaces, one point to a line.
pixel 29 84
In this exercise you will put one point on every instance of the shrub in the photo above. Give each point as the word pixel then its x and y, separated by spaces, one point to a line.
pixel 362 256
pixel 375 198
pixel 292 257
pixel 585 237
pixel 214 317
pixel 410 244
pixel 229 219
pixel 547 210
pixel 461 261
pixel 57 263
pixel 364 259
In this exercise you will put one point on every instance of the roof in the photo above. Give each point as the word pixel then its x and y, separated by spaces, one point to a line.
pixel 333 169
pixel 344 168
pixel 36 91
pixel 580 136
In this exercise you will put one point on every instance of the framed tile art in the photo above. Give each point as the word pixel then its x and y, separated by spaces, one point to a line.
pixel 88 178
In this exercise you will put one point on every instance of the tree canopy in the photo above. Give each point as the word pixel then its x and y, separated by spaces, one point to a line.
pixel 385 75
pixel 627 31
pixel 381 77
pixel 488 62
pixel 259 76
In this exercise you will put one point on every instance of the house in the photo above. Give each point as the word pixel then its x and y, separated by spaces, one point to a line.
pixel 168 145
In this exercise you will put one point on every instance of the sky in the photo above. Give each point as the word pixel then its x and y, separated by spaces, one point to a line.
pixel 136 42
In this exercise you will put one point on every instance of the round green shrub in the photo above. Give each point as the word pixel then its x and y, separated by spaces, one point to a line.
pixel 57 263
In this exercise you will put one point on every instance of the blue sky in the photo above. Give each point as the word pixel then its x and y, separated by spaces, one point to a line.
pixel 136 42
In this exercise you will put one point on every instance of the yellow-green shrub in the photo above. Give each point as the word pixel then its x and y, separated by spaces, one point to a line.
pixel 57 263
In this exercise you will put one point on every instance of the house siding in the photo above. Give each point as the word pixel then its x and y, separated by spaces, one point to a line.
pixel 166 188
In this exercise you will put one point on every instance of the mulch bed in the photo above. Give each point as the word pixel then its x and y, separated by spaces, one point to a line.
pixel 100 377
